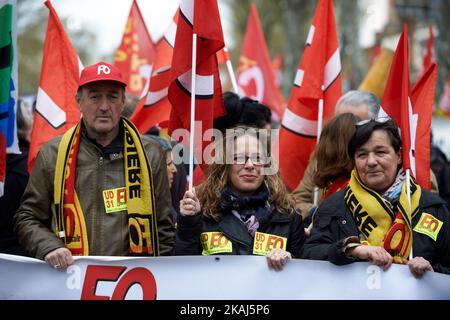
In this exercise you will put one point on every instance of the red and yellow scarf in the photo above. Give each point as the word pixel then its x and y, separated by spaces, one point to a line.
pixel 378 222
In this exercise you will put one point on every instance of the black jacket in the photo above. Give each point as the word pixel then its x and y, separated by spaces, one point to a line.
pixel 189 230
pixel 15 183
pixel 334 222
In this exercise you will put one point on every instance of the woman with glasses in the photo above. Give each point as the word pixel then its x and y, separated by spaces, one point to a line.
pixel 243 207
pixel 374 219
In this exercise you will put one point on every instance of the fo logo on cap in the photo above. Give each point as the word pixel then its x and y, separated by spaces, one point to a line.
pixel 103 69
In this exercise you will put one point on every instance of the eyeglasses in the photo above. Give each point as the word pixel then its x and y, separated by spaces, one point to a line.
pixel 257 159
pixel 378 120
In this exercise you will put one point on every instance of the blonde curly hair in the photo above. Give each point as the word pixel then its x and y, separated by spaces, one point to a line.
pixel 210 192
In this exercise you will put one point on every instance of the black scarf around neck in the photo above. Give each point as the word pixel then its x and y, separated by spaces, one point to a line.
pixel 253 210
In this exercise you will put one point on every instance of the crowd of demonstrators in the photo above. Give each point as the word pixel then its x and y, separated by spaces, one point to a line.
pixel 15 182
pixel 113 174
pixel 369 220
pixel 363 105
pixel 240 209
pixel 101 197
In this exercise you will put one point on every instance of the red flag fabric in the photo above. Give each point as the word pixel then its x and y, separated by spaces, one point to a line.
pixel 154 106
pixel 256 78
pixel 396 102
pixel 429 56
pixel 318 78
pixel 422 98
pixel 56 108
pixel 136 52
pixel 203 19
pixel 223 56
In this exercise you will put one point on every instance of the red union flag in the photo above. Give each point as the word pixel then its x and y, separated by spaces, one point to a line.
pixel 136 52
pixel 56 108
pixel 203 19
pixel 256 77
pixel 396 101
pixel 318 80
pixel 154 106
pixel 422 98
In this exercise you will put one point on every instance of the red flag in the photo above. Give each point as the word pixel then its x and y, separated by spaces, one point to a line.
pixel 136 52
pixel 203 19
pixel 154 106
pixel 429 56
pixel 318 80
pixel 396 102
pixel 256 78
pixel 56 108
pixel 422 98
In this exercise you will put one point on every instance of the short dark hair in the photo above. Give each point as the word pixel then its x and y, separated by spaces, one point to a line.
pixel 364 132
pixel 233 110
pixel 254 114
pixel 242 112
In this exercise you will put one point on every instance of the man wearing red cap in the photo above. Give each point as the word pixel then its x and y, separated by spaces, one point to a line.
pixel 101 188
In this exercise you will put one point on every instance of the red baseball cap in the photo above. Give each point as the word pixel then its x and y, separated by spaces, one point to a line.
pixel 101 71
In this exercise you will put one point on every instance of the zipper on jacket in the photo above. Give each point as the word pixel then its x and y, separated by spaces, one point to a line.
pixel 233 239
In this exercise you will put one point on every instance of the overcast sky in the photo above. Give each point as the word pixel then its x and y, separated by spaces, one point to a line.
pixel 107 18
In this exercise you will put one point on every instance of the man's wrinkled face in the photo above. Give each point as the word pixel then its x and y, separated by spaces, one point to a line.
pixel 101 104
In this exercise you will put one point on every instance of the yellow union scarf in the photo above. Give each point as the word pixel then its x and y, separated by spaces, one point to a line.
pixel 70 222
pixel 377 221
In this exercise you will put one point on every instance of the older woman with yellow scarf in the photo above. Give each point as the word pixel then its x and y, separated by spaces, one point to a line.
pixel 373 219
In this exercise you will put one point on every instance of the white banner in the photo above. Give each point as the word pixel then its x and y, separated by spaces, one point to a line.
pixel 212 278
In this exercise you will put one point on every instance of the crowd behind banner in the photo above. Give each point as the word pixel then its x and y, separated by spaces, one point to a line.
pixel 358 180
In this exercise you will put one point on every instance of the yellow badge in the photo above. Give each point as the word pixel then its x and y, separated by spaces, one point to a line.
pixel 115 200
pixel 429 226
pixel 215 242
pixel 264 242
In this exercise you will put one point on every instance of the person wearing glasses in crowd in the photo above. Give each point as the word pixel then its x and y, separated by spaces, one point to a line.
pixel 243 207
pixel 372 220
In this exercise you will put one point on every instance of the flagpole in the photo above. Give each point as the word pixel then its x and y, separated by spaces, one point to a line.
pixel 193 90
pixel 319 132
pixel 232 77
pixel 408 193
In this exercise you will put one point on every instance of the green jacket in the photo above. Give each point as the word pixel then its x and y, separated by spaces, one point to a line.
pixel 107 233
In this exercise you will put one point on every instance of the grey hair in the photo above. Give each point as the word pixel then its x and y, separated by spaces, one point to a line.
pixel 356 98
